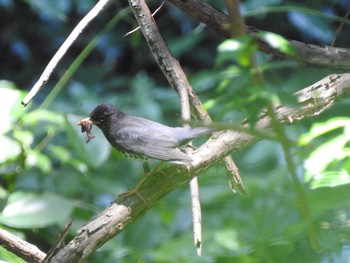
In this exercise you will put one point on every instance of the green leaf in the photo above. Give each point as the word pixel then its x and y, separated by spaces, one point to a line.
pixel 29 210
pixel 278 42
pixel 7 256
pixel 238 50
pixel 43 115
pixel 227 239
pixel 330 179
pixel 9 149
pixel 26 138
pixel 320 158
pixel 322 165
pixel 60 153
pixel 319 129
pixel 10 106
pixel 37 159
pixel 330 198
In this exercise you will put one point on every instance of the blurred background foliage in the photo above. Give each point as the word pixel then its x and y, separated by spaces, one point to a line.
pixel 48 174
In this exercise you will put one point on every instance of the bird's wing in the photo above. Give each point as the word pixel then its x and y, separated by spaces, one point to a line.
pixel 151 143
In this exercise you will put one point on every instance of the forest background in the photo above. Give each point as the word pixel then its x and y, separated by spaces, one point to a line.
pixel 48 174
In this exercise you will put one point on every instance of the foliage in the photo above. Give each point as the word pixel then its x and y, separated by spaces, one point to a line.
pixel 49 174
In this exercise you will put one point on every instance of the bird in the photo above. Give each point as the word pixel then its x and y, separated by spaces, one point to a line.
pixel 142 138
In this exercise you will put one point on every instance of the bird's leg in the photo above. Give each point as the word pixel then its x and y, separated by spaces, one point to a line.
pixel 146 167
pixel 134 190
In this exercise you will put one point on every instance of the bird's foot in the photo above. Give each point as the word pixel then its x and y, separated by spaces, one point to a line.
pixel 132 191
pixel 135 189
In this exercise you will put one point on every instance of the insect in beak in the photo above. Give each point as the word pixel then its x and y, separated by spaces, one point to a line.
pixel 86 126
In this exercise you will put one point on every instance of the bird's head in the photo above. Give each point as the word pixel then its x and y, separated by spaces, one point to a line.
pixel 100 116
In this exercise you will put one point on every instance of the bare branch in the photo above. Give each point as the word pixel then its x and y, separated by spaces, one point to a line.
pixel 325 57
pixel 21 248
pixel 153 14
pixel 340 27
pixel 63 50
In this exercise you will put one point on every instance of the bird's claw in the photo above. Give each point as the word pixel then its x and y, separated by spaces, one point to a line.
pixel 132 191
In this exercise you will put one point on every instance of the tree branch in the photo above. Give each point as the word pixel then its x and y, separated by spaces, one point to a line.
pixel 63 50
pixel 21 248
pixel 174 73
pixel 178 81
pixel 325 57
pixel 313 100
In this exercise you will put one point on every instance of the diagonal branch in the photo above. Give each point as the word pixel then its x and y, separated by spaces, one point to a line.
pixel 313 100
pixel 63 50
pixel 174 73
pixel 177 78
pixel 21 248
pixel 328 57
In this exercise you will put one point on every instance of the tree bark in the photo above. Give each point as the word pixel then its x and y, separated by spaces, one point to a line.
pixel 307 54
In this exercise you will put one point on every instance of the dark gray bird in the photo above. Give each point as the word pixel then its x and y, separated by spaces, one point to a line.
pixel 141 138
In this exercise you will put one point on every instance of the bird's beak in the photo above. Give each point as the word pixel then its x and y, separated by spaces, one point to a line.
pixel 86 120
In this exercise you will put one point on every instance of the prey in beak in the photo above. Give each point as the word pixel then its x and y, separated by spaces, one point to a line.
pixel 86 126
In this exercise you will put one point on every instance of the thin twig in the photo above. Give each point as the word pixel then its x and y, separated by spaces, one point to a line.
pixel 82 56
pixel 234 179
pixel 196 215
pixel 59 243
pixel 63 50
pixel 194 186
pixel 153 14
pixel 340 27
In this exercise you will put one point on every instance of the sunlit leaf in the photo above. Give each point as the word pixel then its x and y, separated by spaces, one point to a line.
pixel 37 159
pixel 330 179
pixel 43 115
pixel 320 158
pixel 10 106
pixel 209 103
pixel 7 256
pixel 278 42
pixel 319 165
pixel 25 137
pixel 60 153
pixel 319 129
pixel 227 239
pixel 29 210
pixel 238 50
pixel 9 149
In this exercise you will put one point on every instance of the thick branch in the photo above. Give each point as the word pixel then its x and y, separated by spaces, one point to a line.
pixel 21 248
pixel 165 60
pixel 313 100
pixel 328 57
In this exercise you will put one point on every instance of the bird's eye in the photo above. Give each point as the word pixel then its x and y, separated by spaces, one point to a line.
pixel 102 119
